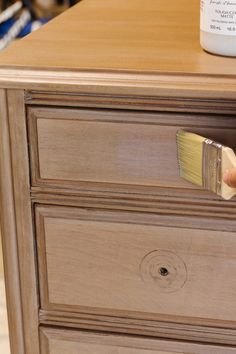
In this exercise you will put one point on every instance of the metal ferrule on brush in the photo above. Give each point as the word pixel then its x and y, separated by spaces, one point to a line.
pixel 211 166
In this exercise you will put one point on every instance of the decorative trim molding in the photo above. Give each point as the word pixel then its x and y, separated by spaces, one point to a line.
pixel 132 102
pixel 164 329
pixel 121 82
pixel 166 206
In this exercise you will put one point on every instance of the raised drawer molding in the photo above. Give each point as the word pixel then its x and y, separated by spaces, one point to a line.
pixel 106 249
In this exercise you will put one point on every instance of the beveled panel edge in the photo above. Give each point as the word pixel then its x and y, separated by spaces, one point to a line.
pixel 123 82
pixel 161 218
pixel 44 341
pixel 127 340
pixel 131 102
pixel 139 117
pixel 40 244
pixel 218 333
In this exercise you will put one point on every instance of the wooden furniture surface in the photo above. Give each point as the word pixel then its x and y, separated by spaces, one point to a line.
pixel 120 265
pixel 125 35
pixel 56 341
pixel 128 155
pixel 106 248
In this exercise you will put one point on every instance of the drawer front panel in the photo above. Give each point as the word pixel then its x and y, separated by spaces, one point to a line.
pixel 124 264
pixel 70 147
pixel 55 341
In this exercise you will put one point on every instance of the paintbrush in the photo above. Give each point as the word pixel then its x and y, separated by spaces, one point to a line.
pixel 203 162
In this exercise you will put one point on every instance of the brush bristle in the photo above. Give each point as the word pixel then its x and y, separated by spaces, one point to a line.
pixel 190 148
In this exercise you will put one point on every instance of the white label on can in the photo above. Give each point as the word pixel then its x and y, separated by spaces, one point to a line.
pixel 218 16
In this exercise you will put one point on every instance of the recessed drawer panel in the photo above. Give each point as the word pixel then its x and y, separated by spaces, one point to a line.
pixel 126 265
pixel 80 148
pixel 54 341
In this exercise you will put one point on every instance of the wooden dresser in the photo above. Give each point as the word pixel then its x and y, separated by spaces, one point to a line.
pixel 106 249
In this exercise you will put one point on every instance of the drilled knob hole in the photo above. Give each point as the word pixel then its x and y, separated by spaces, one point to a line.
pixel 163 271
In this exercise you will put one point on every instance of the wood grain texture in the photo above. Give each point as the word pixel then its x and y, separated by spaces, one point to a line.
pixel 56 341
pixel 111 266
pixel 23 222
pixel 187 86
pixel 138 251
pixel 121 47
pixel 4 331
pixel 70 147
pixel 9 234
pixel 133 326
pixel 180 203
pixel 149 103
pixel 133 36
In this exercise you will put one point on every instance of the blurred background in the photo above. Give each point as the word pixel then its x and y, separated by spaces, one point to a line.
pixel 21 17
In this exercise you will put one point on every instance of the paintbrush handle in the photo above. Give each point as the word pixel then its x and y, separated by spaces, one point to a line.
pixel 228 163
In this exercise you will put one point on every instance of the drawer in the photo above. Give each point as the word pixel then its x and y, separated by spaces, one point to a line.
pixel 127 265
pixel 54 341
pixel 101 148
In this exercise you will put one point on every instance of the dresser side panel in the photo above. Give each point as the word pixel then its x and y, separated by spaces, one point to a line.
pixel 24 219
pixel 8 233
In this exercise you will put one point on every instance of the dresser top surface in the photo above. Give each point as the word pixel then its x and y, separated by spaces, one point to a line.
pixel 131 36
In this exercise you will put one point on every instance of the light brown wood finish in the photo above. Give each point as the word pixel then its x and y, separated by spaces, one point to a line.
pixel 132 102
pixel 107 62
pixel 125 35
pixel 93 254
pixel 115 84
pixel 9 235
pixel 181 204
pixel 121 48
pixel 132 326
pixel 17 228
pixel 56 341
pixel 130 148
